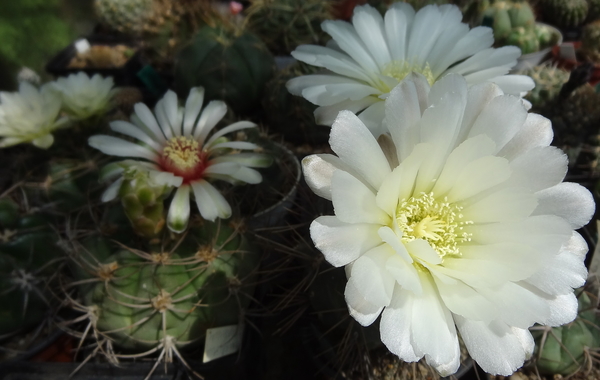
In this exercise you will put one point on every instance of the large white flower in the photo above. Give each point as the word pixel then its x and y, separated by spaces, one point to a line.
pixel 369 57
pixel 30 115
pixel 456 219
pixel 84 97
pixel 177 151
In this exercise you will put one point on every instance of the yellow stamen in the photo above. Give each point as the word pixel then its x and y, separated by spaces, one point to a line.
pixel 400 69
pixel 439 223
pixel 182 151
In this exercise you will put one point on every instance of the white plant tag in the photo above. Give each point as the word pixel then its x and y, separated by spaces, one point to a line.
pixel 222 341
pixel 82 45
pixel 567 51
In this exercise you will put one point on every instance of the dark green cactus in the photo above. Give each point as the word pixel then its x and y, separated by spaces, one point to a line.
pixel 524 39
pixel 231 67
pixel 590 41
pixel 285 24
pixel 549 80
pixel 564 13
pixel 29 257
pixel 565 349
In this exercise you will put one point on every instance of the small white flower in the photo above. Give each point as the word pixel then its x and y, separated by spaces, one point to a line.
pixel 30 115
pixel 458 219
pixel 369 57
pixel 176 150
pixel 84 97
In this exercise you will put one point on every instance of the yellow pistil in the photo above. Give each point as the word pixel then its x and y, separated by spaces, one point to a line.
pixel 183 152
pixel 400 69
pixel 439 223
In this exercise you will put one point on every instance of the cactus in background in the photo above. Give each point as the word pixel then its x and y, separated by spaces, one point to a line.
pixel 593 10
pixel 548 79
pixel 230 66
pixel 29 257
pixel 590 41
pixel 524 39
pixel 165 296
pixel 134 16
pixel 289 115
pixel 285 24
pixel 565 349
pixel 564 13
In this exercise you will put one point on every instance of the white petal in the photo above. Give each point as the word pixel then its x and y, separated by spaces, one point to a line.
pixel 347 39
pixel 478 98
pixel 179 210
pixel 318 170
pixel 211 115
pixel 463 300
pixel 342 243
pixel 193 105
pixel 501 119
pixel 112 191
pixel 536 132
pixel 114 146
pixel 252 160
pixel 135 132
pixel 514 84
pixel 508 204
pixel 539 168
pixel 497 348
pixel 353 202
pixel 398 22
pixel 147 118
pixel 210 202
pixel 359 307
pixel 369 25
pixel 434 334
pixel 568 200
pixel 421 249
pixel 395 326
pixel 356 146
pixel 326 115
pixel 371 279
pixel 244 145
pixel 479 175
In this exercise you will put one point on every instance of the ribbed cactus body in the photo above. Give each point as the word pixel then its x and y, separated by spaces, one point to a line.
pixel 564 13
pixel 524 39
pixel 230 67
pixel 29 257
pixel 564 348
pixel 125 15
pixel 590 41
pixel 513 24
pixel 172 292
pixel 548 80
pixel 285 24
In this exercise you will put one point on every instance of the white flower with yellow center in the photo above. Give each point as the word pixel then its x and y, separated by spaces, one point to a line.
pixel 369 57
pixel 177 151
pixel 30 115
pixel 457 219
pixel 84 97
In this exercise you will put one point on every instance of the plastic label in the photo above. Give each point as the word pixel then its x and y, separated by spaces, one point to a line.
pixel 82 45
pixel 222 341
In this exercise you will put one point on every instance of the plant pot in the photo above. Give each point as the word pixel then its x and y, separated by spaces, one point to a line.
pixel 568 63
pixel 123 75
pixel 527 61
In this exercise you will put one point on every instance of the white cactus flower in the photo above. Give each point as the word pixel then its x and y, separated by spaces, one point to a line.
pixel 30 115
pixel 176 147
pixel 458 220
pixel 370 56
pixel 84 97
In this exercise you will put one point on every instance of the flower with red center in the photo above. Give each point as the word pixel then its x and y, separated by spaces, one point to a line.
pixel 176 151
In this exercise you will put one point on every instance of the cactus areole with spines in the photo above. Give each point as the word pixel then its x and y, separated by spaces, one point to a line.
pixel 169 294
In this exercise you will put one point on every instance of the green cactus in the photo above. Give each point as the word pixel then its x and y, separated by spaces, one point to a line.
pixel 142 202
pixel 524 39
pixel 564 349
pixel 564 13
pixel 521 15
pixel 125 15
pixel 285 24
pixel 590 41
pixel 231 67
pixel 166 296
pixel 497 17
pixel 593 10
pixel 548 79
pixel 29 257
pixel 289 115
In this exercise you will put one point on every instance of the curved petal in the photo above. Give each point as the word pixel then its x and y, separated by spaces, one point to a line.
pixel 210 202
pixel 179 210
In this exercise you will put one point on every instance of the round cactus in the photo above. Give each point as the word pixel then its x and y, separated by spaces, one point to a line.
pixel 497 17
pixel 285 24
pixel 590 41
pixel 564 13
pixel 29 256
pixel 524 39
pixel 564 349
pixel 231 67
pixel 549 80
pixel 168 295
pixel 134 16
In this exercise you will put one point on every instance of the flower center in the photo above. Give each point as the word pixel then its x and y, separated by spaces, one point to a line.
pixel 439 223
pixel 183 156
pixel 400 69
